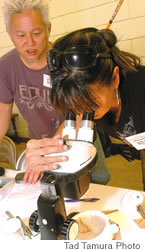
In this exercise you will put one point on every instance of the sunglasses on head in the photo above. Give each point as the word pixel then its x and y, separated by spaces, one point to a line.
pixel 80 57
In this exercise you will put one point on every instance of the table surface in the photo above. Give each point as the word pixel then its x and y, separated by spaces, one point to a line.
pixel 21 200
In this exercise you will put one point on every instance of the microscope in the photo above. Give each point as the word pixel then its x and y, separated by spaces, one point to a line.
pixel 71 180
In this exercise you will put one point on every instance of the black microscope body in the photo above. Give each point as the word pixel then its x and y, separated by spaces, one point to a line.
pixel 51 204
pixel 55 186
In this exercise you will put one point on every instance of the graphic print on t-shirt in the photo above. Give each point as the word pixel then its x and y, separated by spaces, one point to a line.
pixel 127 130
pixel 34 97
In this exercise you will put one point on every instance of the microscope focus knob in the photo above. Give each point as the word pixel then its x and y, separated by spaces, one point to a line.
pixel 33 222
pixel 70 229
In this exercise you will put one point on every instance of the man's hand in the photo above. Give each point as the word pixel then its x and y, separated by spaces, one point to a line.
pixel 36 150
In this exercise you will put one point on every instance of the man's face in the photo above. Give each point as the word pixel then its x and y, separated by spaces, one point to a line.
pixel 29 35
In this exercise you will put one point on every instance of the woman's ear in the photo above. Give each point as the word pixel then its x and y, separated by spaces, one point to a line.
pixel 116 77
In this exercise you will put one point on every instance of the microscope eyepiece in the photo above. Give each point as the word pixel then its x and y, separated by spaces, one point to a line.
pixel 70 116
pixel 88 116
pixel 69 131
pixel 86 131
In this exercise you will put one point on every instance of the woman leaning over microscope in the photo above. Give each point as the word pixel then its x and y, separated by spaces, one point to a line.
pixel 90 73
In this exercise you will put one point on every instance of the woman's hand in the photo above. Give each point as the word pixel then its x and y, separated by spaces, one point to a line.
pixel 36 149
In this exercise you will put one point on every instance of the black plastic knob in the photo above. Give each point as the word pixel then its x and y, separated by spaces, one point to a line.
pixel 33 222
pixel 69 230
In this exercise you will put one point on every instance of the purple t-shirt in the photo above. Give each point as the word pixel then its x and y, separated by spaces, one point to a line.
pixel 30 90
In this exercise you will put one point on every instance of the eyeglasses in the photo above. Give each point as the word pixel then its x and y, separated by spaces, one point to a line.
pixel 80 57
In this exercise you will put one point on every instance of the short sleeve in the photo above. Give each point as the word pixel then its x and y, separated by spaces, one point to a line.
pixel 6 95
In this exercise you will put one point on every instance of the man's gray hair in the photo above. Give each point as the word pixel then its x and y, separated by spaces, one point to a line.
pixel 19 6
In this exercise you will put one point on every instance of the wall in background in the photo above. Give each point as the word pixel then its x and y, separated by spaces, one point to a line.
pixel 69 15
pixel 129 24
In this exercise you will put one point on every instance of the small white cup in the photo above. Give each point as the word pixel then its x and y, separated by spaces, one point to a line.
pixel 12 230
pixel 129 203
pixel 93 225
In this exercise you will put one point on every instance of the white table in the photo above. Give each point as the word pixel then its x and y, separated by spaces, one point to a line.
pixel 109 198
pixel 22 201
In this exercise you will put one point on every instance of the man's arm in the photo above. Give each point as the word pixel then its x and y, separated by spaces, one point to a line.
pixel 5 117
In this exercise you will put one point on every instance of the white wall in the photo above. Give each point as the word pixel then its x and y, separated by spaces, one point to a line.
pixel 129 24
pixel 69 15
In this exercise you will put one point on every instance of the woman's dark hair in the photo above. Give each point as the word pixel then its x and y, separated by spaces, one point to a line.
pixel 70 86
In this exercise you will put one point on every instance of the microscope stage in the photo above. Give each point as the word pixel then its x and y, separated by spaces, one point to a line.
pixel 80 154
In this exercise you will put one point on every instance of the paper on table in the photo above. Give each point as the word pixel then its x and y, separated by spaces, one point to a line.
pixel 24 191
pixel 6 188
pixel 137 141
pixel 22 200
pixel 19 191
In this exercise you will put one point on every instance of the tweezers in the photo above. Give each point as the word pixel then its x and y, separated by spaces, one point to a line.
pixel 26 229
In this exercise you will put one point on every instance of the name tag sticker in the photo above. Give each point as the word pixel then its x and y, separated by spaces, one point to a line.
pixel 47 81
pixel 137 141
